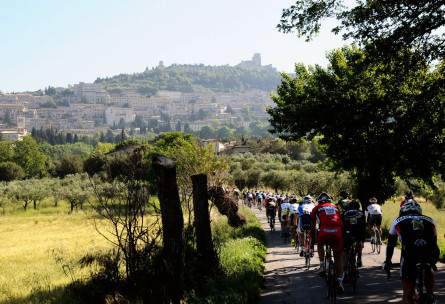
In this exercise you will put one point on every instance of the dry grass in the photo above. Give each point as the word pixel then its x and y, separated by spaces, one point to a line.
pixel 40 251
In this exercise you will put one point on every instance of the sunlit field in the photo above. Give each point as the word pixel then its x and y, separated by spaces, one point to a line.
pixel 40 250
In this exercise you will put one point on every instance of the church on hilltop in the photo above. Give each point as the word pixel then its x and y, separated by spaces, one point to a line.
pixel 255 63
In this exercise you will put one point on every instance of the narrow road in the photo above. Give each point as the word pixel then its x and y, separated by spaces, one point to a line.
pixel 288 281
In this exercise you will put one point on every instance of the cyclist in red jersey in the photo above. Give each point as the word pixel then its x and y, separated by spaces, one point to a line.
pixel 328 217
pixel 408 196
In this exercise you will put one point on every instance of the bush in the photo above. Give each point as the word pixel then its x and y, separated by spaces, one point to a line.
pixel 10 171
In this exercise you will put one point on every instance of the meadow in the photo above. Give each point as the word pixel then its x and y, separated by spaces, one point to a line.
pixel 42 249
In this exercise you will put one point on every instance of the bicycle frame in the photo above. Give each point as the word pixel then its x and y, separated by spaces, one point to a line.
pixel 331 276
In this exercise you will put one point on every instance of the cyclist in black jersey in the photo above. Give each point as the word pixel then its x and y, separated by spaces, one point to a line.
pixel 418 236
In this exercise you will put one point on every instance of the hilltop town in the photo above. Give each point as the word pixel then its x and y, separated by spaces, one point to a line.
pixel 88 108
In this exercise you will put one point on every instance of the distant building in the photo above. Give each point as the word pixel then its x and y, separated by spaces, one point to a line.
pixel 17 133
pixel 255 63
pixel 217 145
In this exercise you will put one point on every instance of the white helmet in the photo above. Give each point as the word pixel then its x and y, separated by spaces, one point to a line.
pixel 410 206
pixel 307 199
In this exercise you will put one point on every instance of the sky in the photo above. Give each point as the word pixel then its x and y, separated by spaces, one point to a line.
pixel 60 43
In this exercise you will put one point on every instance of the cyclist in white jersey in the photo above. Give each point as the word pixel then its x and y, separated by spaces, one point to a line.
pixel 293 217
pixel 373 215
pixel 283 213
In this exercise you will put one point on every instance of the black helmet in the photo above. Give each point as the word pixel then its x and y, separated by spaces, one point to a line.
pixel 354 205
pixel 411 206
pixel 324 198
pixel 343 194
pixel 409 195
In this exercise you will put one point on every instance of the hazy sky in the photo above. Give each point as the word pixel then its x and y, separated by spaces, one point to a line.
pixel 61 42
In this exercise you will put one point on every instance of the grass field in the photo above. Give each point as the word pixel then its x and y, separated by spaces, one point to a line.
pixel 40 252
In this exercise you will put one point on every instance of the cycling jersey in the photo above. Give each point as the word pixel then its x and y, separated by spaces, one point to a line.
pixel 328 217
pixel 354 226
pixel 342 205
pixel 285 206
pixel 418 236
pixel 374 209
pixel 304 211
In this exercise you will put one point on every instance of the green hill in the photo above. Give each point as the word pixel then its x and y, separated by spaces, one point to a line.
pixel 194 78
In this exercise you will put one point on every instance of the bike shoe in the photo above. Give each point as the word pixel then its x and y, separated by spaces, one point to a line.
pixel 301 252
pixel 340 288
pixel 321 272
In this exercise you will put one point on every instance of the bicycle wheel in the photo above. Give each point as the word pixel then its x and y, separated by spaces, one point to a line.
pixel 378 243
pixel 353 274
pixel 332 281
pixel 373 242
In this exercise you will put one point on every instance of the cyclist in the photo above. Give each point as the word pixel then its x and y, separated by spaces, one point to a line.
pixel 329 222
pixel 354 227
pixel 418 236
pixel 409 195
pixel 293 217
pixel 304 220
pixel 259 198
pixel 283 213
pixel 374 216
pixel 249 198
pixel 271 208
pixel 343 201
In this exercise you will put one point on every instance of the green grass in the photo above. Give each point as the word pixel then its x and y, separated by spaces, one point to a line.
pixel 242 252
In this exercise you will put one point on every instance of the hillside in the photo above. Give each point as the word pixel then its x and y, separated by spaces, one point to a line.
pixel 194 78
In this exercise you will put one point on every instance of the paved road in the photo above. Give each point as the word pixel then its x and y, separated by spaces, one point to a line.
pixel 288 281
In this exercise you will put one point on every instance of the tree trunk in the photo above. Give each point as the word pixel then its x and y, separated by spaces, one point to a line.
pixel 227 206
pixel 173 228
pixel 204 243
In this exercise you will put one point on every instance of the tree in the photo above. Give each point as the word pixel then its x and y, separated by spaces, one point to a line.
pixel 207 132
pixel 70 164
pixel 10 171
pixel 374 120
pixel 28 156
pixel 385 27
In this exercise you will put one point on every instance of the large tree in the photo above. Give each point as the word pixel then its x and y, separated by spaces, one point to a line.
pixel 385 26
pixel 373 119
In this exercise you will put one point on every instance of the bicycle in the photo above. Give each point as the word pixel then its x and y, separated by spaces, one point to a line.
pixel 351 271
pixel 331 274
pixel 419 296
pixel 271 219
pixel 376 241
pixel 307 249
pixel 286 232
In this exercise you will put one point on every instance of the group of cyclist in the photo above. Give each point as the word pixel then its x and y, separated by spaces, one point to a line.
pixel 344 222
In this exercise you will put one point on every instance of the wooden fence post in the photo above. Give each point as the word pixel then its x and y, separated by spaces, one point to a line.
pixel 173 228
pixel 204 243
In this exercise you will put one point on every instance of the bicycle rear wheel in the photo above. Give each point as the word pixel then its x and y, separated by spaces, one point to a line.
pixel 378 242
pixel 332 282
pixel 307 250
pixel 373 242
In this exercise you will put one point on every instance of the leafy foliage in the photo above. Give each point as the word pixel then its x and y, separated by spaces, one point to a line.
pixel 360 109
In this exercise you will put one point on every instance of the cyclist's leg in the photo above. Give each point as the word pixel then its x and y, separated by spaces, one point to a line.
pixel 429 280
pixel 408 276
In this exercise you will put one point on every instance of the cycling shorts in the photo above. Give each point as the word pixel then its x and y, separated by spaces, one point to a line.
pixel 408 270
pixel 291 220
pixel 304 223
pixel 283 217
pixel 331 233
pixel 375 218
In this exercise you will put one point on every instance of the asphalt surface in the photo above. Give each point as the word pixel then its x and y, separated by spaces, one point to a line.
pixel 287 280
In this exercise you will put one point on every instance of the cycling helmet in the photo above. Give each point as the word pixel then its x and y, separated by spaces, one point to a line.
pixel 411 206
pixel 324 198
pixel 409 195
pixel 307 199
pixel 293 201
pixel 354 205
pixel 373 200
pixel 343 194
